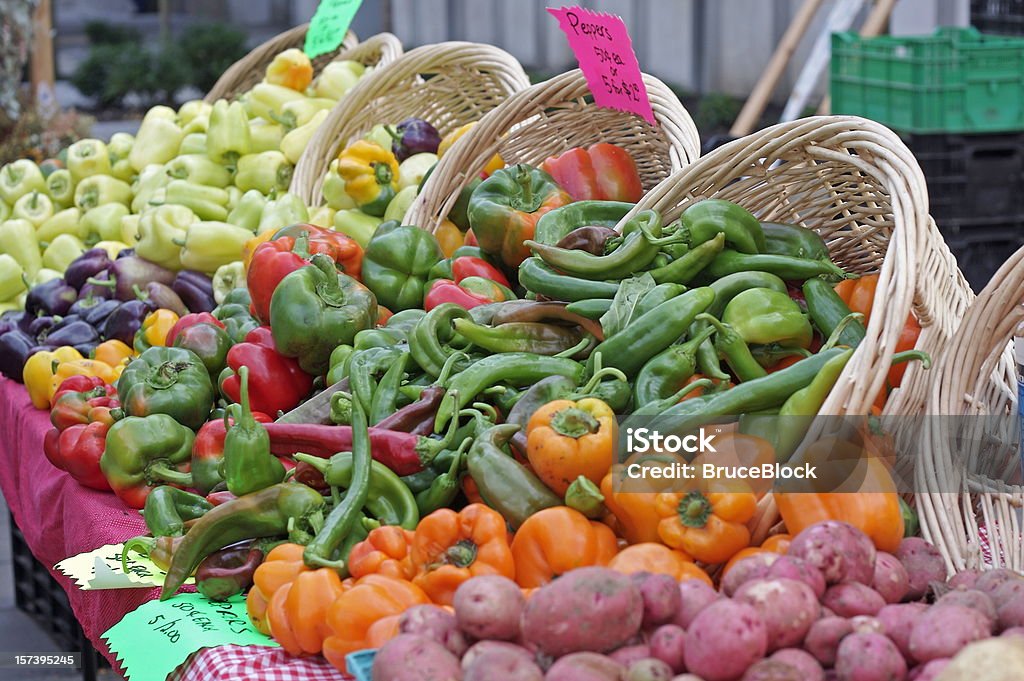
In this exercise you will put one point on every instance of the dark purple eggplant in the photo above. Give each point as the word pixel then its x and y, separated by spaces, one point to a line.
pixel 89 264
pixel 414 136
pixel 98 314
pixel 74 333
pixel 125 274
pixel 227 572
pixel 126 320
pixel 195 290
pixel 97 287
pixel 15 349
pixel 53 297
pixel 41 326
pixel 125 253
pixel 9 321
pixel 162 296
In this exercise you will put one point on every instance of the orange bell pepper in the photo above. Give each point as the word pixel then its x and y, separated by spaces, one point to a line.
pixel 777 543
pixel 449 548
pixel 709 523
pixel 635 518
pixel 297 614
pixel 113 353
pixel 449 237
pixel 384 552
pixel 280 567
pixel 566 439
pixel 556 540
pixel 658 559
pixel 352 616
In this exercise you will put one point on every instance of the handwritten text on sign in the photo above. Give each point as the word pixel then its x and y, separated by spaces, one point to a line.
pixel 602 45
pixel 329 25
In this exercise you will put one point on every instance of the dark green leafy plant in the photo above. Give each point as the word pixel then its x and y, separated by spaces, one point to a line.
pixel 209 50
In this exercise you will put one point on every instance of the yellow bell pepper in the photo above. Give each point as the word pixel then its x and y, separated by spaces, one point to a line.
pixel 252 244
pixel 371 176
pixel 449 237
pixel 112 247
pixel 113 353
pixel 80 367
pixel 290 69
pixel 154 329
pixel 496 163
pixel 322 217
pixel 39 370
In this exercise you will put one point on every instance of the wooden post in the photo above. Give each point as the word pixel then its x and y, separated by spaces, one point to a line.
pixel 41 71
pixel 876 22
pixel 754 106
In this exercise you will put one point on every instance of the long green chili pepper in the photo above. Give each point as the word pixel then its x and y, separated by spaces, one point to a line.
pixel 799 410
pixel 667 371
pixel 538 337
pixel 783 266
pixel 364 366
pixel 706 219
pixel 385 397
pixel 656 296
pixel 769 355
pixel 591 308
pixel 683 270
pixel 445 487
pixel 167 508
pixel 431 339
pixel 537 276
pixel 793 240
pixel 827 310
pixel 735 350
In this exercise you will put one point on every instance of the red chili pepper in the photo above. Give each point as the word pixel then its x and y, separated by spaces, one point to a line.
pixel 447 291
pixel 77 450
pixel 218 498
pixel 468 266
pixel 191 320
pixel 276 383
pixel 603 172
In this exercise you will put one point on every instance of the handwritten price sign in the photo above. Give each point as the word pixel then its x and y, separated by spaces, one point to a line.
pixel 602 45
pixel 329 25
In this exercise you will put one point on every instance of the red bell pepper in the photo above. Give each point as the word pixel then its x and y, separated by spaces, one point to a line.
pixel 468 266
pixel 79 408
pixel 447 291
pixel 79 384
pixel 208 451
pixel 276 383
pixel 77 450
pixel 191 320
pixel 343 249
pixel 603 172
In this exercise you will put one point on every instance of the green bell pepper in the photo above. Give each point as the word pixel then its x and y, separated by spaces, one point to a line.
pixel 396 264
pixel 60 187
pixel 236 318
pixel 18 238
pixel 157 140
pixel 36 207
pixel 315 309
pixel 356 224
pixel 266 172
pixel 227 135
pixel 198 169
pixel 248 210
pixel 62 251
pixel 226 279
pixel 207 245
pixel 141 453
pixel 88 157
pixel 151 178
pixel 170 381
pixel 763 316
pixel 333 189
pixel 102 189
pixel 12 277
pixel 67 221
pixel 286 209
pixel 19 178
pixel 103 223
pixel 194 143
pixel 161 230
pixel 248 464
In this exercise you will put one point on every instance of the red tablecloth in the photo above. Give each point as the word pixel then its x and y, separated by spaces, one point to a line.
pixel 59 518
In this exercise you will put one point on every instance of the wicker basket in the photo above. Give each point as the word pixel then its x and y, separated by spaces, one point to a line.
pixel 250 69
pixel 975 375
pixel 855 183
pixel 449 84
pixel 550 117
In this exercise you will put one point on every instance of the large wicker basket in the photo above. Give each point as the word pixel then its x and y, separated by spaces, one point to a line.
pixel 964 504
pixel 550 117
pixel 855 183
pixel 249 70
pixel 449 84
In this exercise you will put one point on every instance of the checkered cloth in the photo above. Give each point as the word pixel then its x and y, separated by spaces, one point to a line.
pixel 249 663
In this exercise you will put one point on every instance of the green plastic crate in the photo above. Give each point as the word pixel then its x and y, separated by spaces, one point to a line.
pixel 956 80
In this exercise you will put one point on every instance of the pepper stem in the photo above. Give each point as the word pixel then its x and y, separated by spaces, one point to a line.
pixel 584 496
pixel 140 545
pixel 301 246
pixel 245 419
pixel 329 290
pixel 382 173
pixel 579 347
pixel 487 409
pixel 574 422
pixel 462 554
pixel 161 471
pixel 599 376
pixel 106 283
pixel 694 509
pixel 911 355
pixel 833 338
pixel 314 461
pixel 165 375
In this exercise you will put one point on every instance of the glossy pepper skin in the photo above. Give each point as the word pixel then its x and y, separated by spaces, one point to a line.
pixel 504 210
pixel 397 262
pixel 705 219
pixel 170 381
pixel 143 452
pixel 277 383
pixel 371 176
pixel 209 245
pixel 227 135
pixel 228 572
pixel 153 332
pixel 210 343
pixel 38 372
pixel 765 316
pixel 208 453
pixel 557 224
pixel 567 439
pixel 77 450
pixel 248 464
pixel 168 508
pixel 315 309
pixel 556 540
pixel 385 551
pixel 602 171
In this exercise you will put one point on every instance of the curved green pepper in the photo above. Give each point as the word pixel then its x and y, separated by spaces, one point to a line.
pixel 704 220
pixel 537 276
pixel 794 241
pixel 248 464
pixel 763 316
pixel 556 224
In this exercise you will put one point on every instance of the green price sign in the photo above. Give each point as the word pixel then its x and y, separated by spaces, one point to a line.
pixel 329 25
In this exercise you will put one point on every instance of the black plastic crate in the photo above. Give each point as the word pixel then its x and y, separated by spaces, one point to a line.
pixel 1002 17
pixel 976 179
pixel 41 597
pixel 980 250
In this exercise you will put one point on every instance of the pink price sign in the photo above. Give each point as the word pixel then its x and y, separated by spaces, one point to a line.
pixel 603 47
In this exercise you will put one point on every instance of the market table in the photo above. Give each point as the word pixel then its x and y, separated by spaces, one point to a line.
pixel 59 518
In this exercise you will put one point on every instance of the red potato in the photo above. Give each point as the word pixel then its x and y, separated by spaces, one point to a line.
pixel 791 567
pixel 502 664
pixel 589 609
pixel 802 661
pixel 1010 613
pixel 481 647
pixel 788 608
pixel 869 657
pixel 941 631
pixel 841 551
pixel 924 565
pixel 823 638
pixel 929 671
pixel 866 624
pixel 435 623
pixel 891 580
pixel 965 579
pixel 649 669
pixel 971 598
pixel 412 657
pixel 898 622
pixel 627 655
pixel 489 607
pixel 661 596
pixel 851 599
pixel 687 677
pixel 668 644
pixel 725 639
pixel 585 667
pixel 752 567
pixel 995 659
pixel 991 580
pixel 771 670
pixel 694 596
